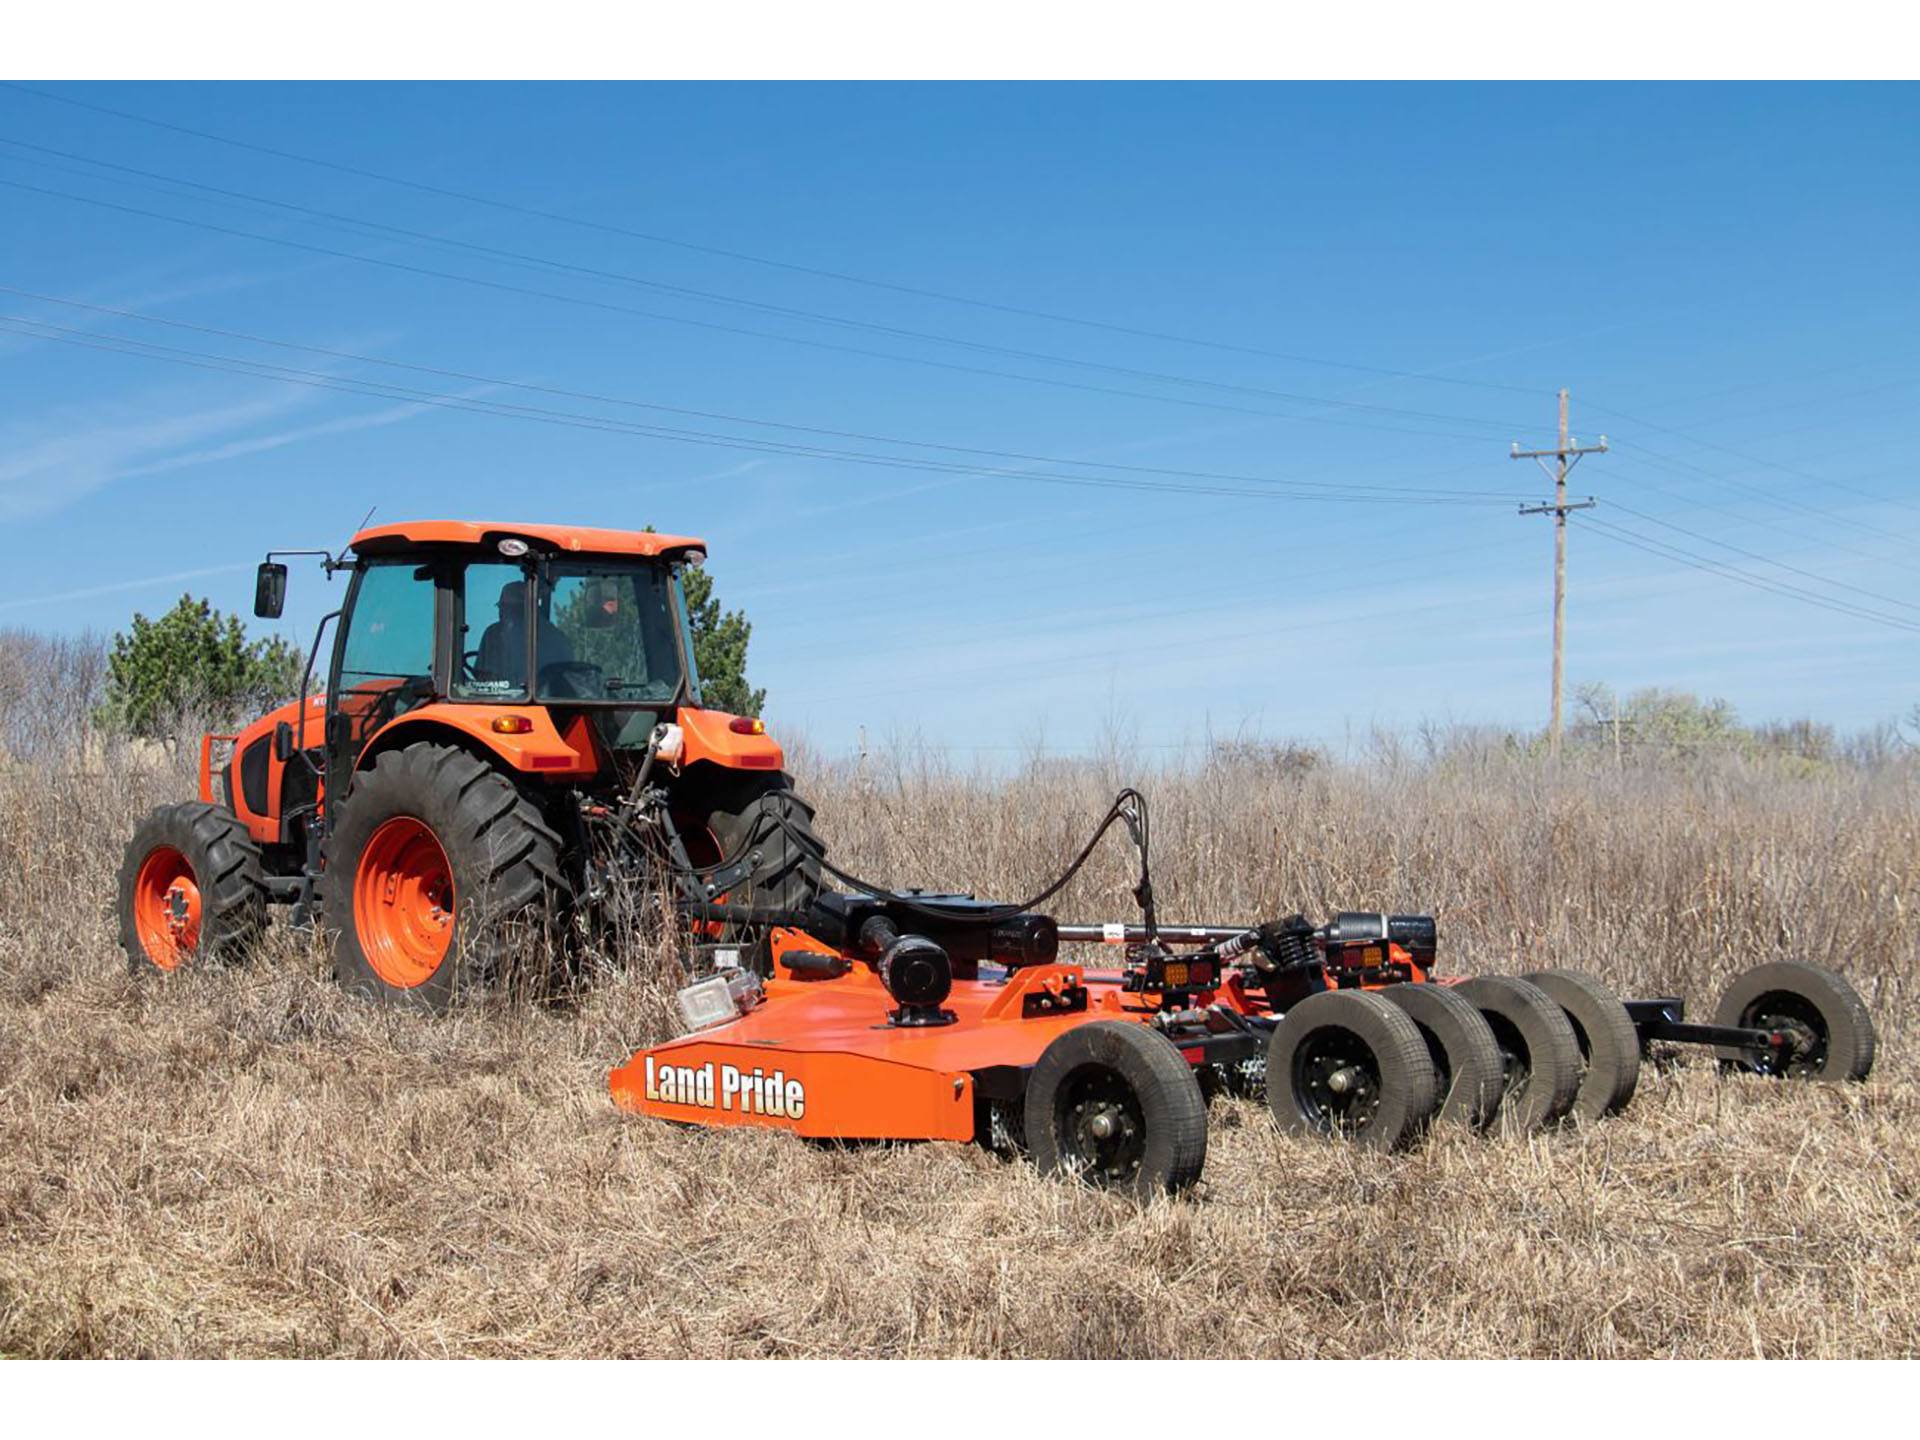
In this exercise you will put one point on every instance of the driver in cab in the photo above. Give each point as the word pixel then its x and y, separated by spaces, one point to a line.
pixel 503 648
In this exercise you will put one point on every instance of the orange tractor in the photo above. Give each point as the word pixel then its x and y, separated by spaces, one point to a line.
pixel 510 735
pixel 510 723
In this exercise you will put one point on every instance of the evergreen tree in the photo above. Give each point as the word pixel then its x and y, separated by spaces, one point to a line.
pixel 720 648
pixel 194 657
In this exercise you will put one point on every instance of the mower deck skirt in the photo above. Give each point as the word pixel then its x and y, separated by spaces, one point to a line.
pixel 821 1059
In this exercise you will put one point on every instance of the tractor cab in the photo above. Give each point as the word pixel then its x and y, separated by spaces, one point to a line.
pixel 476 618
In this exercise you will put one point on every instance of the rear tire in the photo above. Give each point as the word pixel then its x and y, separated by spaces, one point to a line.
pixel 1609 1045
pixel 1818 1010
pixel 744 814
pixel 1348 1063
pixel 1115 1105
pixel 1466 1061
pixel 437 873
pixel 191 888
pixel 1538 1053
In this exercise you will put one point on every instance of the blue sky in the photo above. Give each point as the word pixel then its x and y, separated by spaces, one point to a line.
pixel 1390 282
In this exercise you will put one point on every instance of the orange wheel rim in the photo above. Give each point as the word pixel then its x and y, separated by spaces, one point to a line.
pixel 166 907
pixel 403 902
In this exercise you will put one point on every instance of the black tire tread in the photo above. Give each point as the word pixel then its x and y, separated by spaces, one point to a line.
pixel 747 814
pixel 490 830
pixel 1396 1042
pixel 1451 1022
pixel 1160 1076
pixel 1850 1039
pixel 1610 1060
pixel 227 866
pixel 1554 1053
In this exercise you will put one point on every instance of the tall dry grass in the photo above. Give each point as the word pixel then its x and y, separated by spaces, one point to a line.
pixel 244 1162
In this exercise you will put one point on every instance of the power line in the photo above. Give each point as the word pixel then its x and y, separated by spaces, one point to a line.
pixel 1680 466
pixel 1763 559
pixel 746 257
pixel 386 391
pixel 1692 502
pixel 1771 464
pixel 1218 601
pixel 1255 643
pixel 511 207
pixel 539 262
pixel 1666 551
pixel 471 377
pixel 613 307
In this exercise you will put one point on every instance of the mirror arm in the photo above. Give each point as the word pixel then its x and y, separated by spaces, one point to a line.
pixel 327 562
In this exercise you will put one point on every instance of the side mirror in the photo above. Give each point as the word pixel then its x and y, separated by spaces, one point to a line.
pixel 270 590
pixel 283 742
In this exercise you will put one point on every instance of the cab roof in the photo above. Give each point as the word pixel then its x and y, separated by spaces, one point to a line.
pixel 585 539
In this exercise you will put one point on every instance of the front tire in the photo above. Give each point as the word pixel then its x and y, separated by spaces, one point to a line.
pixel 436 873
pixel 191 888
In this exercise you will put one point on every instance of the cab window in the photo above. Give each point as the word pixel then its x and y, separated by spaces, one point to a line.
pixel 386 656
pixel 606 633
pixel 390 635
pixel 491 633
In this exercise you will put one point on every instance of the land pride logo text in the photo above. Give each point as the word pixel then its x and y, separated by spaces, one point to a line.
pixel 715 1086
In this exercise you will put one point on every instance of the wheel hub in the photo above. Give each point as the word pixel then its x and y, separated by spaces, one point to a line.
pixel 1347 1077
pixel 182 903
pixel 1804 1049
pixel 1337 1080
pixel 1102 1126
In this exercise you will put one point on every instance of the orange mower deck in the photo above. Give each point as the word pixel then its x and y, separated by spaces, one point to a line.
pixel 1344 1027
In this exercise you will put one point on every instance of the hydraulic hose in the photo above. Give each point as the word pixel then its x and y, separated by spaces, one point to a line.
pixel 1129 806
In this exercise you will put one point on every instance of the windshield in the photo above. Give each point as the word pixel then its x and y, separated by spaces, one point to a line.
pixel 602 630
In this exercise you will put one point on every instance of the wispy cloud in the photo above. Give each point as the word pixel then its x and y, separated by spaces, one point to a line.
pixel 122 294
pixel 258 444
pixel 58 461
pixel 121 587
pixel 48 464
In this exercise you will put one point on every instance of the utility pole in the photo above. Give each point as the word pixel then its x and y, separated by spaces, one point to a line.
pixel 1565 455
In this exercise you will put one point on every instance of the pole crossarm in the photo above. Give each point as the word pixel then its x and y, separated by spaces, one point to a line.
pixel 1572 449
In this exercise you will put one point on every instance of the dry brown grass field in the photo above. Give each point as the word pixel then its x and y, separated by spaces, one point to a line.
pixel 244 1162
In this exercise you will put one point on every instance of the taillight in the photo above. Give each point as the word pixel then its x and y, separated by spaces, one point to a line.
pixel 746 725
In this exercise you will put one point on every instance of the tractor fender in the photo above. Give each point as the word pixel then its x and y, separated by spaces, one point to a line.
pixel 527 743
pixel 709 735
